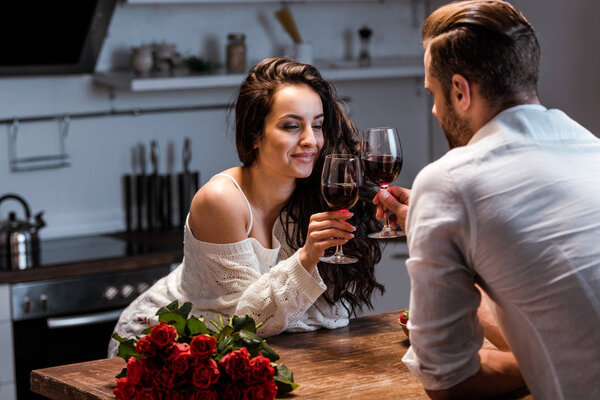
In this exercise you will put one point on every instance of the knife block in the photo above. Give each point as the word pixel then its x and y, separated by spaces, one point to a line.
pixel 149 200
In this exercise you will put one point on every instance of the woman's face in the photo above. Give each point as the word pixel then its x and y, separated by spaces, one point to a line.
pixel 293 133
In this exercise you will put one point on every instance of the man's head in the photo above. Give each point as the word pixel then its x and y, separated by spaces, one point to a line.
pixel 491 46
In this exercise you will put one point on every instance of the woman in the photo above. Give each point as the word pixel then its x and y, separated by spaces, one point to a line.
pixel 254 233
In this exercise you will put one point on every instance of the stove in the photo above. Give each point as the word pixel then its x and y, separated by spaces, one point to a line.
pixel 70 317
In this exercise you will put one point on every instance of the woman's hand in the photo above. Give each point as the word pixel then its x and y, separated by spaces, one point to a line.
pixel 325 230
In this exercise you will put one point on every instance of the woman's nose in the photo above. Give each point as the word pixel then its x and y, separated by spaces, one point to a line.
pixel 308 137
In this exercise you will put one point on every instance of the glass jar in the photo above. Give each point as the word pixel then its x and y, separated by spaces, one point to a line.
pixel 236 53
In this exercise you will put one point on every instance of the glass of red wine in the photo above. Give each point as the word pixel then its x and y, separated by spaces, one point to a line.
pixel 340 182
pixel 381 155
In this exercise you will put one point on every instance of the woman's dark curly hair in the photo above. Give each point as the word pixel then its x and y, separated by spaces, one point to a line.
pixel 353 283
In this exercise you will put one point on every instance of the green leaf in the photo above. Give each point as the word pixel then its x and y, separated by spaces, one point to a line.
pixel 122 374
pixel 196 327
pixel 118 338
pixel 284 386
pixel 223 347
pixel 185 309
pixel 283 373
pixel 246 322
pixel 171 307
pixel 268 352
pixel 251 341
pixel 127 350
pixel 174 319
pixel 147 330
pixel 226 331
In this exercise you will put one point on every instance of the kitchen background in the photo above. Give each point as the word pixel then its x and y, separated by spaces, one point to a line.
pixel 86 197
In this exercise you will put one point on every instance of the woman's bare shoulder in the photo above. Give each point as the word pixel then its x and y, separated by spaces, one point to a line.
pixel 219 213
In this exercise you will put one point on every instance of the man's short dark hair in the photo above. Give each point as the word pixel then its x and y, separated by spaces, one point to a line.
pixel 489 42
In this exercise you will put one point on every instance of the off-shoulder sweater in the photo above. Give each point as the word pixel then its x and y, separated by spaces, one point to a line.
pixel 237 279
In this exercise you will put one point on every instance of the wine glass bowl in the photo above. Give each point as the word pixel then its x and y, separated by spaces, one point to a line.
pixel 381 156
pixel 340 182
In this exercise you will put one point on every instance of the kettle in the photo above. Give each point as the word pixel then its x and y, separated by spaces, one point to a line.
pixel 19 240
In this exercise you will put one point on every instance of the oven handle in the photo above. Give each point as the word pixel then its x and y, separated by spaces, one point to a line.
pixel 80 320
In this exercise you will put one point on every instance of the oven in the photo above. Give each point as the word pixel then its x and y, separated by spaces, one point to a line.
pixel 64 321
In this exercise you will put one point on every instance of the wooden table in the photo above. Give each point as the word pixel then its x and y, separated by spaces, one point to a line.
pixel 360 360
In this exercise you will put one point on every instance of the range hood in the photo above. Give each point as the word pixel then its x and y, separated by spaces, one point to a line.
pixel 52 37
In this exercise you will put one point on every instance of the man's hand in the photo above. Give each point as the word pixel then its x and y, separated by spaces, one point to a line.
pixel 395 199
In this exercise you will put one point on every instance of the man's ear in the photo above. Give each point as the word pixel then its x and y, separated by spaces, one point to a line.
pixel 460 93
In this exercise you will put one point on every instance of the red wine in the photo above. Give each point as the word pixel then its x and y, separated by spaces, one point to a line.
pixel 382 169
pixel 340 196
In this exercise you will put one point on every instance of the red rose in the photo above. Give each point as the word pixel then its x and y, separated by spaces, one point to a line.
pixel 205 374
pixel 203 394
pixel 145 347
pixel 236 364
pixel 264 391
pixel 177 395
pixel 164 379
pixel 124 390
pixel 179 358
pixel 231 391
pixel 163 334
pixel 136 371
pixel 147 393
pixel 260 370
pixel 203 346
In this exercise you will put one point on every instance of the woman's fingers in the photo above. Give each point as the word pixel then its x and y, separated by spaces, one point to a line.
pixel 327 234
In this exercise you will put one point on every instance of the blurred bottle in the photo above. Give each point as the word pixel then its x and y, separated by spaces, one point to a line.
pixel 364 56
pixel 236 53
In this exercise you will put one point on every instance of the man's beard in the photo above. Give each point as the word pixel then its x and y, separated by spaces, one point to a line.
pixel 457 130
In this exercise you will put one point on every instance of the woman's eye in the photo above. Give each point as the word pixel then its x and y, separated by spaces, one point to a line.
pixel 318 127
pixel 290 127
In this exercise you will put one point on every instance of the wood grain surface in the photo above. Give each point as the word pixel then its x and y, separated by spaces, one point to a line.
pixel 360 361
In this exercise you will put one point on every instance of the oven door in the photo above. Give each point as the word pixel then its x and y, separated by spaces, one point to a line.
pixel 46 342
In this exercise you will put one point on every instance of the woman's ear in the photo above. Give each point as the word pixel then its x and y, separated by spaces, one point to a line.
pixel 460 94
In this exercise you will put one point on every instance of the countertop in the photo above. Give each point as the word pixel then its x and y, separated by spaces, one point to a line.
pixel 360 360
pixel 98 254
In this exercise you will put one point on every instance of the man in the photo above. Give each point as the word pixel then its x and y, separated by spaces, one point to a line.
pixel 513 208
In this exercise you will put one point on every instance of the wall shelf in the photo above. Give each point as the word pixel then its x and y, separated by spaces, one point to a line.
pixel 385 68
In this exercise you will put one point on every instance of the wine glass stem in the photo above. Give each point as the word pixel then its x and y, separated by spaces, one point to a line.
pixel 338 251
pixel 386 219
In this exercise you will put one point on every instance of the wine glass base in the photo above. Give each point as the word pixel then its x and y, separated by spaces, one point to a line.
pixel 386 234
pixel 333 259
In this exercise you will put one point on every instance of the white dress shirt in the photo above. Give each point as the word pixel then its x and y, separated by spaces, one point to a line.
pixel 517 211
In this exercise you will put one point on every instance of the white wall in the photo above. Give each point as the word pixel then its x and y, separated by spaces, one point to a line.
pixel 85 198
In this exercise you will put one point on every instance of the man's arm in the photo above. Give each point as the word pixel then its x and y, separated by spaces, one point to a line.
pixel 499 374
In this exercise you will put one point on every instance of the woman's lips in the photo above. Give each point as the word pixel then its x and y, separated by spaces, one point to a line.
pixel 304 157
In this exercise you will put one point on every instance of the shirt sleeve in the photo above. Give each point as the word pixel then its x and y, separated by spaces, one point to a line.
pixel 445 333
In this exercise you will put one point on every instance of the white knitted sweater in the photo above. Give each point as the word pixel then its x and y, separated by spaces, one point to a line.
pixel 237 279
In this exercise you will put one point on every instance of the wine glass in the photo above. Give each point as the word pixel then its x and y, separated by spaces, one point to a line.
pixel 340 188
pixel 381 155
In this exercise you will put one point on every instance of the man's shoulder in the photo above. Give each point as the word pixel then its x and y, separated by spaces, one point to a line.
pixel 442 171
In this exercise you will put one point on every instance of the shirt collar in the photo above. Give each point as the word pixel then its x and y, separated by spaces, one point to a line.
pixel 493 125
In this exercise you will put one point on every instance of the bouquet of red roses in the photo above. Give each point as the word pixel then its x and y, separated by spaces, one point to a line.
pixel 182 358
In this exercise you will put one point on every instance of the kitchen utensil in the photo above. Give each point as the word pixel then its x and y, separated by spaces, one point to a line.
pixel 187 182
pixel 154 202
pixel 127 195
pixel 287 21
pixel 140 181
pixel 19 240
